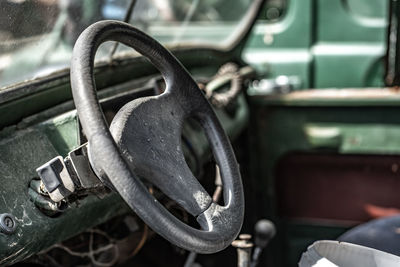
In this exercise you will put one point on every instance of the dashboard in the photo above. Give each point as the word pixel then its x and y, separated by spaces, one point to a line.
pixel 55 132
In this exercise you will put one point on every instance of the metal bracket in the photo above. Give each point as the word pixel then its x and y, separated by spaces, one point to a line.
pixel 79 168
pixel 279 85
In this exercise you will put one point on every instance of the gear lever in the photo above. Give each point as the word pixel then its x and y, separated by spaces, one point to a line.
pixel 264 231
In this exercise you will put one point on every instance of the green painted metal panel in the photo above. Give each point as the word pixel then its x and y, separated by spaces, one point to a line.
pixel 282 47
pixel 350 43
pixel 356 138
pixel 351 20
pixel 292 30
pixel 326 43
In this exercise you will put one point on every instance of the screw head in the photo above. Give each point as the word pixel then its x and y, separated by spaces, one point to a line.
pixel 8 224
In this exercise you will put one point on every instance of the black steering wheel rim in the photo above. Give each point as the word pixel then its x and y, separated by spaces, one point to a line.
pixel 220 224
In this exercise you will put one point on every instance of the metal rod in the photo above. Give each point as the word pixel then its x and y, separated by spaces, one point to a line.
pixel 127 18
pixel 244 247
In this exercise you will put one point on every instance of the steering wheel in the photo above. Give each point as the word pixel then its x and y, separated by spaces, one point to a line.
pixel 144 141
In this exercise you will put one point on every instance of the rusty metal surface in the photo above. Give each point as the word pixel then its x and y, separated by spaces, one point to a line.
pixel 346 93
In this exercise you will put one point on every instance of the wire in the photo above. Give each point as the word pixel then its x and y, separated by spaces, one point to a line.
pixel 92 252
pixel 142 241
pixel 127 18
pixel 186 20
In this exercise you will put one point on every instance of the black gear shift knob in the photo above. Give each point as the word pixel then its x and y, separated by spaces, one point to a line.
pixel 264 232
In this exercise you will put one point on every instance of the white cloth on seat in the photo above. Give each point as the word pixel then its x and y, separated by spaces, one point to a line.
pixel 328 253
